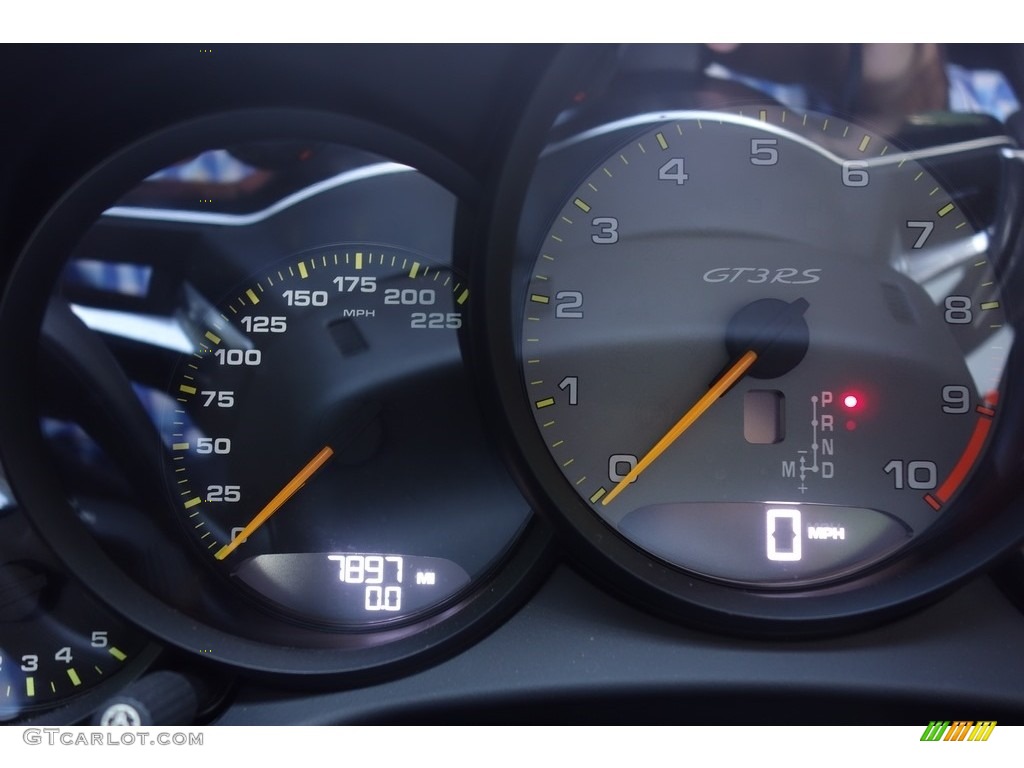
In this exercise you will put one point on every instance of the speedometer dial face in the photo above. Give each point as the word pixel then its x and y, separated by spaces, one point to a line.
pixel 764 347
pixel 273 427
pixel 301 469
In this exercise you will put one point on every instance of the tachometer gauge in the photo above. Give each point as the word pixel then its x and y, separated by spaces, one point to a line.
pixel 762 353
pixel 58 645
pixel 766 348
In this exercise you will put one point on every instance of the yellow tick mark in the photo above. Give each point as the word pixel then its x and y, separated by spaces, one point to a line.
pixel 193 502
pixel 212 337
pixel 117 653
pixel 547 401
pixel 597 496
pixel 30 686
pixel 75 679
pixel 863 146
pixel 581 205
pixel 415 269
pixel 763 115
pixel 253 298
pixel 946 209
pixel 302 270
pixel 462 297
pixel 990 305
pixel 359 259
pixel 187 389
pixel 179 447
pixel 539 298
pixel 661 140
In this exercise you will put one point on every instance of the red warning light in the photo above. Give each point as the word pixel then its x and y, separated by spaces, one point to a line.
pixel 851 401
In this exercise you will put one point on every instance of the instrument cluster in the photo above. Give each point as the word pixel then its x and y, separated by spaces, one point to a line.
pixel 342 386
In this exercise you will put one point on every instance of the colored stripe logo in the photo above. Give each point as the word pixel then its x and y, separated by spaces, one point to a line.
pixel 959 730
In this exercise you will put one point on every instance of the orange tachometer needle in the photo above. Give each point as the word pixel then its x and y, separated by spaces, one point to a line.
pixel 278 501
pixel 720 387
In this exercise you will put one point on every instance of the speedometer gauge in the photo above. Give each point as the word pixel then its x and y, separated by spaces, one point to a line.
pixel 301 467
pixel 764 347
pixel 254 414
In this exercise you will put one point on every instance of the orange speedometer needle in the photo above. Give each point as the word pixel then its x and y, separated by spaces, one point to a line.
pixel 722 385
pixel 278 501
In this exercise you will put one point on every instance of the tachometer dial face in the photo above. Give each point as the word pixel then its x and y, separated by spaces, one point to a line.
pixel 305 465
pixel 56 642
pixel 765 347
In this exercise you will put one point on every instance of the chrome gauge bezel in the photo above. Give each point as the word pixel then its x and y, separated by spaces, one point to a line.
pixel 270 646
pixel 951 552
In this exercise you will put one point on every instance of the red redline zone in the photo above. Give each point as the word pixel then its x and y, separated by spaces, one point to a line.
pixel 965 462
